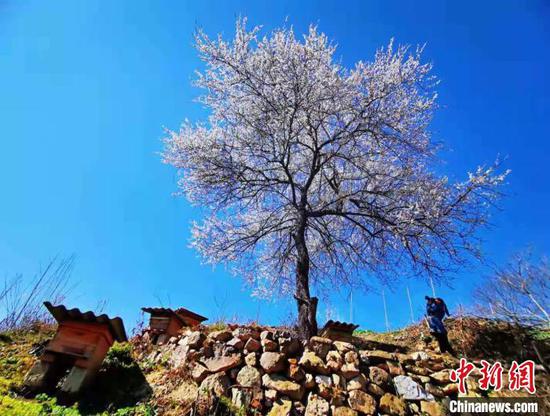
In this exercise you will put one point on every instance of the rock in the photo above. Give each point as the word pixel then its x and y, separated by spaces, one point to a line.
pixel 241 398
pixel 217 364
pixel 441 377
pixel 266 335
pixel 363 358
pixel 434 390
pixel 395 369
pixel 281 407
pixel 309 381
pixel 220 349
pixel 417 370
pixel 294 371
pixel 252 345
pixel 450 389
pixel 271 394
pixel 471 393
pixel 349 371
pixel 393 405
pixel 414 408
pixel 408 389
pixel 281 333
pixel 320 346
pixel 317 406
pixel 194 355
pixel 215 384
pixel 378 356
pixel 432 409
pixel 343 411
pixel 339 381
pixel 195 339
pixel 449 361
pixel 362 402
pixel 434 366
pixel 272 362
pixel 334 361
pixel 179 356
pixel 344 347
pixel 404 358
pixel 289 346
pixel 236 343
pixel 286 387
pixel 419 355
pixel 339 392
pixel 473 385
pixel 378 376
pixel 251 398
pixel 311 362
pixel 351 357
pixel 420 379
pixel 357 383
pixel 207 351
pixel 324 384
pixel 249 377
pixel 339 397
pixel 269 345
pixel 251 359
pixel 383 366
pixel 199 372
pixel 375 390
pixel 221 336
pixel 244 334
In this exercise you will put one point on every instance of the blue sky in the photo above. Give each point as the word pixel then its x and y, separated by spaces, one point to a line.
pixel 87 86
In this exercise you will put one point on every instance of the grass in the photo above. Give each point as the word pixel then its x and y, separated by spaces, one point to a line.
pixel 119 379
pixel 43 405
pixel 541 334
pixel 15 359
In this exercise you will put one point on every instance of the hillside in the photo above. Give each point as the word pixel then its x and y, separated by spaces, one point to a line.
pixel 267 370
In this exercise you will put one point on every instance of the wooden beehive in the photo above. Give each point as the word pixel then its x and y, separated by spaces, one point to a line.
pixel 76 352
pixel 338 331
pixel 165 322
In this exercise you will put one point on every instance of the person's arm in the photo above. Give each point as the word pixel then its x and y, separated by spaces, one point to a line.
pixel 446 310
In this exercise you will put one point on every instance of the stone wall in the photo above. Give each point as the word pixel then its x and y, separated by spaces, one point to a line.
pixel 269 371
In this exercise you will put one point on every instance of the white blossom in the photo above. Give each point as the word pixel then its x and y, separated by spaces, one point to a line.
pixel 292 131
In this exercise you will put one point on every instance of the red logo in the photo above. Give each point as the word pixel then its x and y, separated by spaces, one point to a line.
pixel 461 374
pixel 491 376
pixel 522 376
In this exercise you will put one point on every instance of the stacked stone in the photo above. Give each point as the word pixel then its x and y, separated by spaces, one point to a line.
pixel 268 371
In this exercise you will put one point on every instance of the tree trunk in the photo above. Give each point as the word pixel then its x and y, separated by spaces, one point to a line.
pixel 307 305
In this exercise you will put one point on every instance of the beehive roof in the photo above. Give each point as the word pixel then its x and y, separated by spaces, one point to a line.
pixel 62 314
pixel 180 313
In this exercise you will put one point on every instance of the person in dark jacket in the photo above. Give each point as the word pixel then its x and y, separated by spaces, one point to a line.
pixel 436 310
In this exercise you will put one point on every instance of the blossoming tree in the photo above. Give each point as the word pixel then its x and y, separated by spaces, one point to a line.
pixel 311 172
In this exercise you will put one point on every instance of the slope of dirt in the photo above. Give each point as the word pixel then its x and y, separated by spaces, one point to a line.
pixel 475 339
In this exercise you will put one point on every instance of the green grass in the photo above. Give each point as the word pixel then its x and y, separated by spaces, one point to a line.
pixel 43 405
pixel 541 334
pixel 15 359
pixel 359 332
